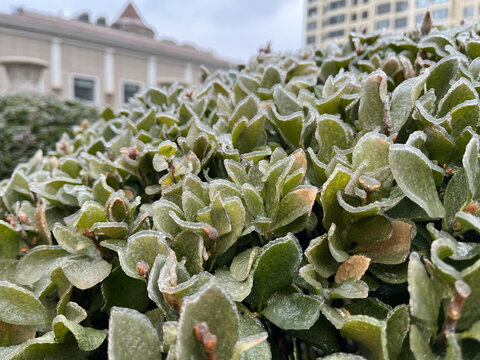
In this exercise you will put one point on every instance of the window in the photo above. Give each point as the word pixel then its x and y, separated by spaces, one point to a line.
pixel 311 39
pixel 354 2
pixel 439 1
pixel 419 18
pixel 383 9
pixel 312 25
pixel 354 17
pixel 312 1
pixel 84 89
pixel 129 90
pixel 365 15
pixel 365 1
pixel 335 19
pixel 382 24
pixel 421 3
pixel 440 14
pixel 334 34
pixel 312 12
pixel 468 11
pixel 401 22
pixel 401 6
pixel 336 4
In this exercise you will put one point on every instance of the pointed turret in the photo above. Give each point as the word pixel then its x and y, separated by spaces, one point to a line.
pixel 130 21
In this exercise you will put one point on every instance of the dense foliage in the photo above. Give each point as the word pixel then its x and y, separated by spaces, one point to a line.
pixel 323 204
pixel 29 122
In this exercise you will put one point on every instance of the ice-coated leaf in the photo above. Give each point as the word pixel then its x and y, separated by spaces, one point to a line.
pixel 38 261
pixel 74 243
pixel 247 343
pixel 243 263
pixel 319 255
pixel 130 333
pixel 471 307
pixel 121 290
pixel 15 334
pixel 419 345
pixel 371 112
pixel 238 290
pixel 441 74
pixel 84 272
pixel 471 166
pixel 90 213
pixel 456 195
pixel 392 251
pixel 331 132
pixel 275 267
pixel 249 326
pixel 459 92
pixel 349 289
pixel 9 241
pixel 332 211
pixel 398 322
pixel 369 334
pixel 424 302
pixel 369 230
pixel 189 246
pixel 413 173
pixel 298 202
pixel 293 312
pixel 19 306
pixel 403 100
pixel 212 305
pixel 288 126
pixel 88 339
pixel 236 213
pixel 162 220
pixel 372 148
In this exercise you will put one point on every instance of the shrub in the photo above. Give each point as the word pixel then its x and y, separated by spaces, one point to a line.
pixel 323 204
pixel 29 122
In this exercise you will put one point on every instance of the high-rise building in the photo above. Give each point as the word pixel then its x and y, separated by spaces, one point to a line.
pixel 333 20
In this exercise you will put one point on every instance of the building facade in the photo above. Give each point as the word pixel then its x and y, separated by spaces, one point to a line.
pixel 333 20
pixel 91 61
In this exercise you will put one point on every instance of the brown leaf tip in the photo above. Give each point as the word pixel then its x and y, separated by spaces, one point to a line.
pixel 352 269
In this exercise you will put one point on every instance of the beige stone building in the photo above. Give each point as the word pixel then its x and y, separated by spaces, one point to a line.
pixel 91 61
pixel 333 20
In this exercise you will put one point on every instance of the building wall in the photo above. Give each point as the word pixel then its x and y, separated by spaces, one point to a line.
pixel 333 20
pixel 109 68
pixel 13 45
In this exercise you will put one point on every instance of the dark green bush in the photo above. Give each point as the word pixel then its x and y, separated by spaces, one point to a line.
pixel 314 205
pixel 29 122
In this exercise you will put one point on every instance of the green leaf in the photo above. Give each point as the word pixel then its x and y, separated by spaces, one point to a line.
pixel 412 171
pixel 84 272
pixel 212 305
pixel 236 213
pixel 38 261
pixel 15 334
pixel 243 263
pixel 19 306
pixel 369 335
pixel 319 255
pixel 189 246
pixel 275 267
pixel 459 92
pixel 90 213
pixel 9 243
pixel 456 195
pixel 441 74
pixel 471 307
pixel 331 132
pixel 403 100
pixel 398 322
pixel 424 302
pixel 297 203
pixel 74 243
pixel 472 169
pixel 121 290
pixel 130 333
pixel 369 230
pixel 88 339
pixel 371 111
pixel 238 290
pixel 293 312
pixel 249 326
pixel 332 211
pixel 372 148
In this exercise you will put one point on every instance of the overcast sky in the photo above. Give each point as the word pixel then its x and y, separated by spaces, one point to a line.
pixel 231 28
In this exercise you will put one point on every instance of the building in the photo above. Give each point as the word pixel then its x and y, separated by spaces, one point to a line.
pixel 91 61
pixel 333 20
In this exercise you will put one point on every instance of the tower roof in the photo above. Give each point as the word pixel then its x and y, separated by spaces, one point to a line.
pixel 130 21
pixel 130 13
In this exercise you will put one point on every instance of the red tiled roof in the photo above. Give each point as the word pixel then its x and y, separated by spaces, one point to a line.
pixel 130 12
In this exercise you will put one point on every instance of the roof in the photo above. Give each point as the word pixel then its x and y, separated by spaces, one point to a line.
pixel 130 13
pixel 55 26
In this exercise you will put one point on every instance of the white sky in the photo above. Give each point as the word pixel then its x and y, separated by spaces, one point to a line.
pixel 233 29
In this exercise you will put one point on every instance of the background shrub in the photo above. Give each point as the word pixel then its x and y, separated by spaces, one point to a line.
pixel 29 122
